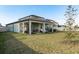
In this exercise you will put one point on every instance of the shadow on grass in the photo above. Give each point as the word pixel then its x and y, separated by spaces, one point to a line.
pixel 14 46
pixel 2 40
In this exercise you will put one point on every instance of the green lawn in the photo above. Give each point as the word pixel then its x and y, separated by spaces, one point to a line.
pixel 2 40
pixel 36 43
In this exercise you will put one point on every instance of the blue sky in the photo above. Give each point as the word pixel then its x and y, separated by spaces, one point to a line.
pixel 11 13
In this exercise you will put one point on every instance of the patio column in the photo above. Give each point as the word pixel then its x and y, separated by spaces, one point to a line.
pixel 23 27
pixel 44 27
pixel 39 27
pixel 52 27
pixel 29 27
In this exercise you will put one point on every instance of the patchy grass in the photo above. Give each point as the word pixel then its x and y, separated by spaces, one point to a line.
pixel 39 43
pixel 2 40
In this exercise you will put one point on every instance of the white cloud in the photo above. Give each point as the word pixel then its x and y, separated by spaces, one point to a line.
pixel 5 19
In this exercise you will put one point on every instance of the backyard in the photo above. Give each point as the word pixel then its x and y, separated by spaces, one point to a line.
pixel 15 43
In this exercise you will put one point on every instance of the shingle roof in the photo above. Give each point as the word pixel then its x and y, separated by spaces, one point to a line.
pixel 34 18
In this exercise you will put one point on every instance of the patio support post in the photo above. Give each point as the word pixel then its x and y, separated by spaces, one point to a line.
pixel 29 27
pixel 23 27
pixel 44 27
pixel 52 27
pixel 39 27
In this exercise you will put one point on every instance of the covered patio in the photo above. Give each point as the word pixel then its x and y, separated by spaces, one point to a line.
pixel 36 27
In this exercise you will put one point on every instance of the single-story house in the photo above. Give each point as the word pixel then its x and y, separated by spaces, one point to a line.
pixel 2 28
pixel 32 24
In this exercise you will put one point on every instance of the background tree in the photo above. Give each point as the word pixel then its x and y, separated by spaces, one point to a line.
pixel 70 15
